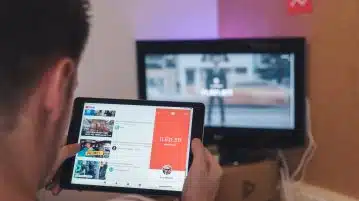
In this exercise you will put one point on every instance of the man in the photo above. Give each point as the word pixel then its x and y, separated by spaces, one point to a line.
pixel 216 81
pixel 85 149
pixel 40 47
pixel 282 66
pixel 103 169
pixel 277 68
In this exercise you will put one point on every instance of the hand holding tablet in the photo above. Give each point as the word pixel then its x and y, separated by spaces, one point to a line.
pixel 132 146
pixel 202 183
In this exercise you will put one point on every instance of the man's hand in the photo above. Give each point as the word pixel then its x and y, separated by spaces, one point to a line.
pixel 204 176
pixel 52 179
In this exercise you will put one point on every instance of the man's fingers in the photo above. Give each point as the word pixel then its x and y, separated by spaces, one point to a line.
pixel 63 140
pixel 68 151
pixel 199 166
pixel 56 190
pixel 215 170
pixel 210 158
pixel 65 152
pixel 198 149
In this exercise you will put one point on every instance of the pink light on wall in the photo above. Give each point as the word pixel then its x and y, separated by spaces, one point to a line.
pixel 259 18
pixel 179 19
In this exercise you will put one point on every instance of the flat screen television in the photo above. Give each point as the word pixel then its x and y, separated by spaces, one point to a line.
pixel 253 89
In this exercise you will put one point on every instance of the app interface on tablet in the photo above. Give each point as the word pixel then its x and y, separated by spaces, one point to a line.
pixel 133 146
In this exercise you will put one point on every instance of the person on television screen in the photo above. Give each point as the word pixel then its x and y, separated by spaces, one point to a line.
pixel 216 82
pixel 278 68
pixel 40 49
pixel 282 66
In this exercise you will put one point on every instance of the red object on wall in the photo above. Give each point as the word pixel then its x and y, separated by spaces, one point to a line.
pixel 260 18
pixel 296 7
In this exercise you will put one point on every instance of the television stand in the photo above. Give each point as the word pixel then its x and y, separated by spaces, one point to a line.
pixel 240 156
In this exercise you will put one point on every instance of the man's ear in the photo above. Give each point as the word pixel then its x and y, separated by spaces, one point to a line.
pixel 60 83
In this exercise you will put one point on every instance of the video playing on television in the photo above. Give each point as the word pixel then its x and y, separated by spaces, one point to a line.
pixel 90 170
pixel 239 90
pixel 94 148
pixel 97 127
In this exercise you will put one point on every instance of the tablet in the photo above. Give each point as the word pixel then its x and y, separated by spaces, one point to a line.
pixel 131 146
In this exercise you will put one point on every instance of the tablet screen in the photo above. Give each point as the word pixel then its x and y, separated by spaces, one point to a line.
pixel 133 146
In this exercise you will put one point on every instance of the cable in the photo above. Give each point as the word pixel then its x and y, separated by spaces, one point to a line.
pixel 284 189
pixel 288 180
pixel 312 146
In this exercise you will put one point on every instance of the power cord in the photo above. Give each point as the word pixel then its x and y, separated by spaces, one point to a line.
pixel 287 180
pixel 312 147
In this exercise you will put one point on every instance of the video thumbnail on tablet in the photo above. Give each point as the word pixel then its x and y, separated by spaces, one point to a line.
pixel 99 113
pixel 97 127
pixel 90 170
pixel 95 148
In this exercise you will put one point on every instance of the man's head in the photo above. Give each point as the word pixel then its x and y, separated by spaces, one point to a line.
pixel 88 145
pixel 216 59
pixel 41 42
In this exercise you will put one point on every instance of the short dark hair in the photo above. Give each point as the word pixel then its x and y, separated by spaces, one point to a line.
pixel 34 34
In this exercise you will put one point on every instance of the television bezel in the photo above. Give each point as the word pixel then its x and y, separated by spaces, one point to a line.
pixel 249 138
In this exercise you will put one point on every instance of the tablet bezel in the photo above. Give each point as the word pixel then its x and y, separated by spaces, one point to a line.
pixel 74 133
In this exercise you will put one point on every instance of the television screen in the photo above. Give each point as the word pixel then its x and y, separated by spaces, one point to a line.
pixel 240 90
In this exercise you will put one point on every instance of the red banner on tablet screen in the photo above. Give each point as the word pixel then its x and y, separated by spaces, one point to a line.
pixel 170 139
